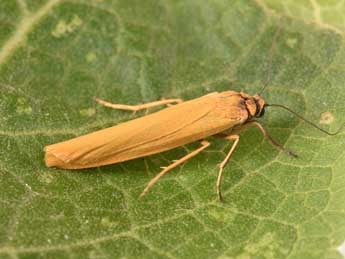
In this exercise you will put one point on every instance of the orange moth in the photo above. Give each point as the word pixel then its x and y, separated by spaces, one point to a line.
pixel 190 121
pixel 220 114
pixel 177 125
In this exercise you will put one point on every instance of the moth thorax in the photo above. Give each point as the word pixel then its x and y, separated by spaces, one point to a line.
pixel 251 107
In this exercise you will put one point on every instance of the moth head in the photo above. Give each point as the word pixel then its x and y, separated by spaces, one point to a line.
pixel 260 106
pixel 255 105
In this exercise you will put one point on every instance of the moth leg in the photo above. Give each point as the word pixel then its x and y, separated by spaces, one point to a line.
pixel 236 139
pixel 204 144
pixel 139 106
pixel 269 138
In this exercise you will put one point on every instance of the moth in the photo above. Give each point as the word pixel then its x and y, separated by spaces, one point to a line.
pixel 219 114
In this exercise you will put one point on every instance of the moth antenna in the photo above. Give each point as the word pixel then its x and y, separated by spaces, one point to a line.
pixel 270 58
pixel 307 121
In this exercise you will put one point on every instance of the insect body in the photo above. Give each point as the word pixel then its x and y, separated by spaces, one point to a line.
pixel 177 125
pixel 214 114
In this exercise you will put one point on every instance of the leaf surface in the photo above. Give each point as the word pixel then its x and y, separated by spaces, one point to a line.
pixel 55 56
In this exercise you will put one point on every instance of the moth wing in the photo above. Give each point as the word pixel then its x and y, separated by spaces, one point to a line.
pixel 92 149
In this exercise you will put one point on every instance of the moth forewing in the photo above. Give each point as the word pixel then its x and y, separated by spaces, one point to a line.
pixel 169 128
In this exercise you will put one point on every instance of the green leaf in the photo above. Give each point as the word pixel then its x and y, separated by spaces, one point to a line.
pixel 55 56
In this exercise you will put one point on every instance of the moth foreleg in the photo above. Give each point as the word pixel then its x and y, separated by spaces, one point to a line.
pixel 269 138
pixel 204 144
pixel 139 106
